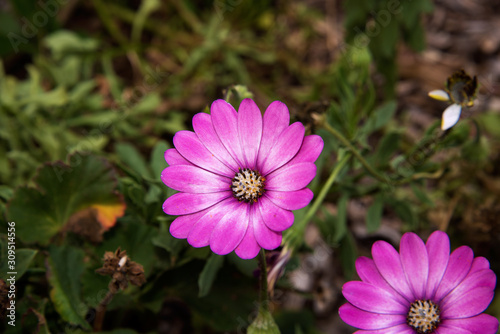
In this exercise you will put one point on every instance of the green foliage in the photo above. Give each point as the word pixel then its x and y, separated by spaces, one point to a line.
pixel 380 25
pixel 209 274
pixel 64 272
pixel 61 191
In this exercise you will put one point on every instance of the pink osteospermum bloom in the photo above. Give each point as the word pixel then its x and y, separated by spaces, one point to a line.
pixel 423 289
pixel 239 175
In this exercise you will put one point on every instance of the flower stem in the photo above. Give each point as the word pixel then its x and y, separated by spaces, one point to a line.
pixel 300 226
pixel 356 153
pixel 101 310
pixel 264 301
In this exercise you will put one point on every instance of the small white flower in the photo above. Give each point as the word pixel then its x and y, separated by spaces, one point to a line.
pixel 461 92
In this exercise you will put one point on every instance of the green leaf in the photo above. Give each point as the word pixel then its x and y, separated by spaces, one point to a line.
pixel 158 163
pixel 135 238
pixel 341 229
pixel 132 158
pixel 63 190
pixel 63 42
pixel 404 211
pixel 374 214
pixel 65 267
pixel 387 146
pixel 166 241
pixel 421 195
pixel 209 273
pixel 380 117
pixel 348 255
pixel 23 259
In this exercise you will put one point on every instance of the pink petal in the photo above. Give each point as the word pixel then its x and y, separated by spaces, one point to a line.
pixel 192 179
pixel 470 304
pixel 388 264
pixel 276 218
pixel 250 131
pixel 368 272
pixel 458 267
pixel 415 263
pixel 185 203
pixel 225 122
pixel 367 320
pixel 371 298
pixel 291 177
pixel 443 329
pixel 285 148
pixel 190 147
pixel 483 278
pixel 230 230
pixel 479 263
pixel 309 151
pixel 173 157
pixel 483 323
pixel 276 119
pixel 248 247
pixel 438 245
pixel 199 235
pixel 181 225
pixel 266 238
pixel 204 129
pixel 398 329
pixel 290 200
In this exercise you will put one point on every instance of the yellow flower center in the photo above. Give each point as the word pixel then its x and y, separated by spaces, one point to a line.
pixel 248 185
pixel 423 316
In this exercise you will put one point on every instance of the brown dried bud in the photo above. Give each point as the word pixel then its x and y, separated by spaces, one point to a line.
pixel 122 270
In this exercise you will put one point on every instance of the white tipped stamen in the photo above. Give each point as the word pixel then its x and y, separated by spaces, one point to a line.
pixel 247 185
pixel 423 316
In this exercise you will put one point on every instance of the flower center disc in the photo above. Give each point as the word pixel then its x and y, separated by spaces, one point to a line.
pixel 247 185
pixel 423 316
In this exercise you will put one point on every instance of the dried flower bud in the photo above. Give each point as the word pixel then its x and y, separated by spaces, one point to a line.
pixel 122 270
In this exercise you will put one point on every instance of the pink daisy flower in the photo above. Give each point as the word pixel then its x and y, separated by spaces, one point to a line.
pixel 239 175
pixel 423 289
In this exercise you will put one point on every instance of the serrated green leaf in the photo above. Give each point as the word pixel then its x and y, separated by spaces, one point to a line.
pixel 208 274
pixel 22 260
pixel 374 215
pixel 62 190
pixel 65 267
